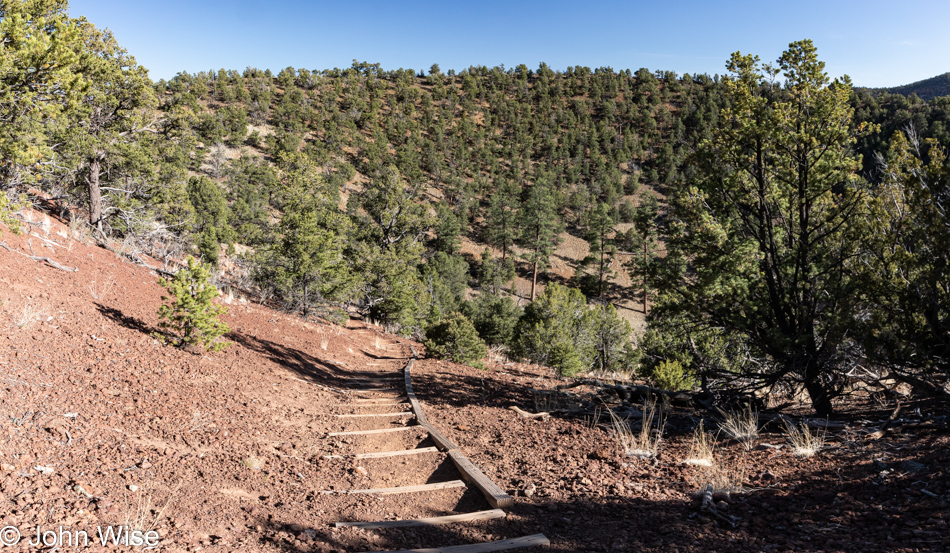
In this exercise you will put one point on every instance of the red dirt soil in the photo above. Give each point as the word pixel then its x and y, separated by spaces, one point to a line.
pixel 100 424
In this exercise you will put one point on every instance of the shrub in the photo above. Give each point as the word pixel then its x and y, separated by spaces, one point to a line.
pixel 456 339
pixel 627 211
pixel 494 318
pixel 670 375
pixel 557 330
pixel 7 208
pixel 190 314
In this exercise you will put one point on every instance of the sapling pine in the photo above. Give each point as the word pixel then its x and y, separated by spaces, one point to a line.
pixel 190 313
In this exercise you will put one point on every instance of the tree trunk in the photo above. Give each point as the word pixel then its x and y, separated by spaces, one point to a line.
pixel 600 283
pixel 820 399
pixel 534 280
pixel 95 194
pixel 645 254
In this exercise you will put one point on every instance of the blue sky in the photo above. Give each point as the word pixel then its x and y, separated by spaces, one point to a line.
pixel 877 43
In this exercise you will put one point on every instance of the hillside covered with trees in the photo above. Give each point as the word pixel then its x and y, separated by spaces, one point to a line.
pixel 777 236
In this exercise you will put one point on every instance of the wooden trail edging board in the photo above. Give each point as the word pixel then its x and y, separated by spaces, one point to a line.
pixel 430 521
pixel 401 489
pixel 440 440
pixel 416 408
pixel 496 497
pixel 487 547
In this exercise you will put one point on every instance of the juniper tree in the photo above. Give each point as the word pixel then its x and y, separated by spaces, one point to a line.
pixel 772 230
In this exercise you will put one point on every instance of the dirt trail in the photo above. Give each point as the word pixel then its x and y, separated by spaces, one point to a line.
pixel 100 424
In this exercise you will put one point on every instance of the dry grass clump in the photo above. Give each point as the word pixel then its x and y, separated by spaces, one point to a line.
pixel 143 515
pixel 742 426
pixel 702 449
pixel 29 315
pixel 645 443
pixel 101 287
pixel 621 375
pixel 498 354
pixel 800 437
pixel 725 479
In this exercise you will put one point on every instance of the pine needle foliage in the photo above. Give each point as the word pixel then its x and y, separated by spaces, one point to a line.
pixel 189 314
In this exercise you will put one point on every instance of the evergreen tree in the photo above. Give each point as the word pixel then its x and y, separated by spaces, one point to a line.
pixel 557 330
pixel 190 314
pixel 391 222
pixel 307 265
pixel 41 81
pixel 454 338
pixel 106 133
pixel 540 228
pixel 501 221
pixel 494 274
pixel 642 240
pixel 600 237
pixel 211 217
pixel 773 229
pixel 447 230
pixel 907 322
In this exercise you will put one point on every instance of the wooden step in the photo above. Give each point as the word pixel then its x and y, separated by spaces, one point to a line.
pixel 430 521
pixel 376 431
pixel 379 399
pixel 350 405
pixel 400 414
pixel 397 453
pixel 486 547
pixel 401 489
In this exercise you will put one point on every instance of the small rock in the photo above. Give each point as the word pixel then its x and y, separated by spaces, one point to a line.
pixel 45 470
pixel 145 465
pixel 133 488
pixel 462 427
pixel 361 471
pixel 530 489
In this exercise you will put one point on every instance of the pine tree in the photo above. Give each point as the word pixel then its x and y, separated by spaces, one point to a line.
pixel 501 221
pixel 643 243
pixel 108 134
pixel 600 237
pixel 540 228
pixel 190 314
pixel 41 81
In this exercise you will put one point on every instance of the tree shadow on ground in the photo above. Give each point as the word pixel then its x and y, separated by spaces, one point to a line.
pixel 293 359
pixel 126 321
